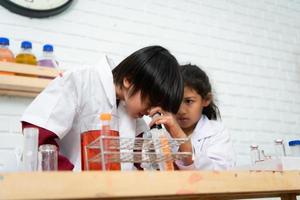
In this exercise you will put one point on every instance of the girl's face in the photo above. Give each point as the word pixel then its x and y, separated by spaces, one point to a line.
pixel 190 110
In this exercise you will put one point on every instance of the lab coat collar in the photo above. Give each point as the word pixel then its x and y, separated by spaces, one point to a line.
pixel 203 129
pixel 107 79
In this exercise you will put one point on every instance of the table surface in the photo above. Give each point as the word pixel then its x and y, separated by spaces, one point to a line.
pixel 149 185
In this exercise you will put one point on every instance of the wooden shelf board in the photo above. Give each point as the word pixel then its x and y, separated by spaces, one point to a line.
pixel 28 80
pixel 29 69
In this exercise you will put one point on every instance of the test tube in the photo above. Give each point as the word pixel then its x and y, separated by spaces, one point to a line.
pixel 146 150
pixel 162 147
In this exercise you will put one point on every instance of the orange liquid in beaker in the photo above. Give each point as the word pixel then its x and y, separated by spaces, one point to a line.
pixel 87 153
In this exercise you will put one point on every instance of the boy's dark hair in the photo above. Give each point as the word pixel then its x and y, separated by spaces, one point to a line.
pixel 196 79
pixel 155 72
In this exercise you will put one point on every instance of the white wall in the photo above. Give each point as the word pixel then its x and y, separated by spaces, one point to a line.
pixel 250 49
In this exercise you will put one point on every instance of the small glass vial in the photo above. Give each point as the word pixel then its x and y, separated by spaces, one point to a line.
pixel 47 157
pixel 254 154
pixel 279 148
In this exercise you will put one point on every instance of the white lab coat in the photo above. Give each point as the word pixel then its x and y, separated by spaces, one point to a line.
pixel 72 104
pixel 213 149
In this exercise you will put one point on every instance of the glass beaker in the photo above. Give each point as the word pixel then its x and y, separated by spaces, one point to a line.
pixel 47 157
pixel 90 144
pixel 279 148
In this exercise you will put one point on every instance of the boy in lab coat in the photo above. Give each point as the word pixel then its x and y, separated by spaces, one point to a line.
pixel 150 77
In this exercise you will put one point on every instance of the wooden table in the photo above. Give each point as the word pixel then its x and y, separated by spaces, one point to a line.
pixel 150 185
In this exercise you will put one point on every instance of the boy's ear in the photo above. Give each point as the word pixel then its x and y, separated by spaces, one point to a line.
pixel 126 83
pixel 207 100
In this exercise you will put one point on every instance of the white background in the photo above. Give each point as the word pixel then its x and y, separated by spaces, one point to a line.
pixel 250 49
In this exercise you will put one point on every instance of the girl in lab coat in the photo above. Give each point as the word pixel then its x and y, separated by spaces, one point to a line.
pixel 74 100
pixel 198 119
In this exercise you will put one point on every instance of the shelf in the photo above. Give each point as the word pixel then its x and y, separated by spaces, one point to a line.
pixel 26 80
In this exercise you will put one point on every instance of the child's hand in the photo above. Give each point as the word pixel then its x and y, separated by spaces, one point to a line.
pixel 168 120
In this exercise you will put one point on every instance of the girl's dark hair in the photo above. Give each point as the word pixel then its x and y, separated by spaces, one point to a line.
pixel 155 72
pixel 196 79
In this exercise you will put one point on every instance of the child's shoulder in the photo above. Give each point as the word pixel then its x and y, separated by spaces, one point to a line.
pixel 215 125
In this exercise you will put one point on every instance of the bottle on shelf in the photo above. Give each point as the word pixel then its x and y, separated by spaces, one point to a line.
pixel 6 55
pixel 48 58
pixel 26 56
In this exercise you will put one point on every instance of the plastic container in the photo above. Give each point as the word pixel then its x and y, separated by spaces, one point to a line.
pixel 6 55
pixel 26 56
pixel 48 58
pixel 295 147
